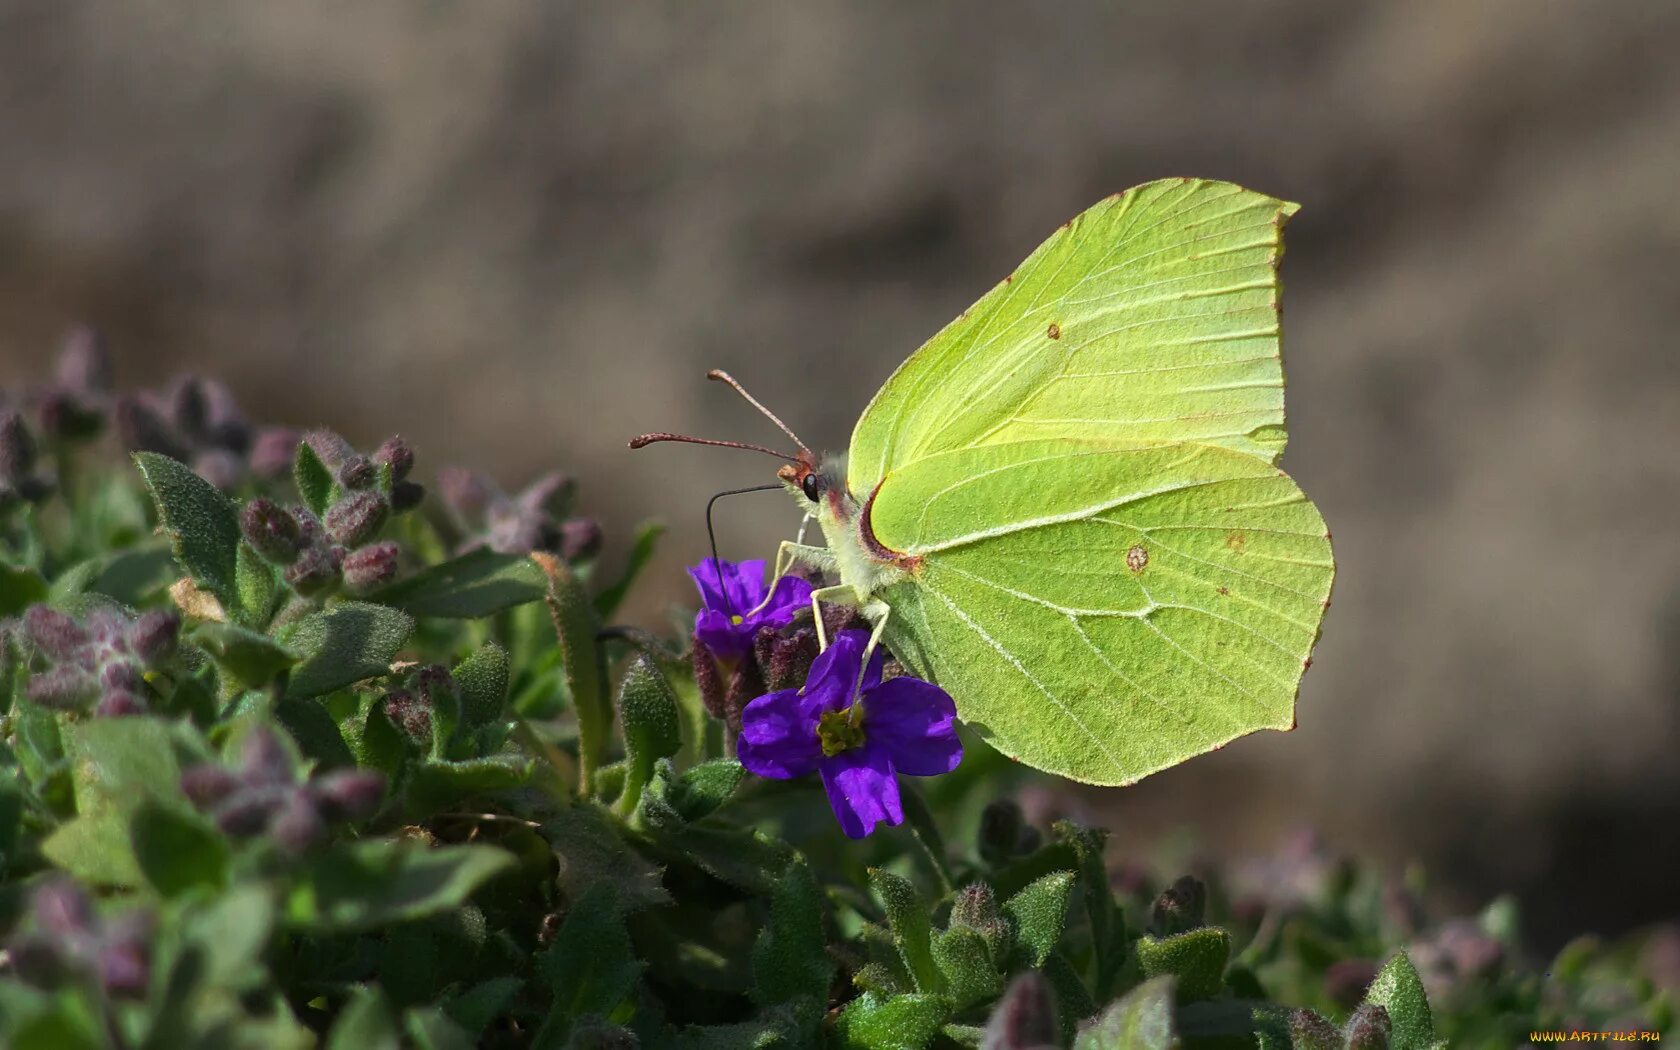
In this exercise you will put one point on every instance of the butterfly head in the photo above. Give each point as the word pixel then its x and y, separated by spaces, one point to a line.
pixel 813 480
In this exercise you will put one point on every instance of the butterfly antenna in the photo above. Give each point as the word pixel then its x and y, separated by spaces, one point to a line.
pixel 711 536
pixel 724 377
pixel 648 439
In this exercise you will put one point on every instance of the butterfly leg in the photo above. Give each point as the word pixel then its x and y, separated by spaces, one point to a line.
pixel 840 593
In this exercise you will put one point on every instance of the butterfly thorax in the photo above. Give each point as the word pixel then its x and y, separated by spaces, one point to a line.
pixel 862 562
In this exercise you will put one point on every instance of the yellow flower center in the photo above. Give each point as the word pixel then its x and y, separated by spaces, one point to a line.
pixel 839 731
pixel 736 620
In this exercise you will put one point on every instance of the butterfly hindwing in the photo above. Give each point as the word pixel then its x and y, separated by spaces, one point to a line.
pixel 1105 610
pixel 1152 316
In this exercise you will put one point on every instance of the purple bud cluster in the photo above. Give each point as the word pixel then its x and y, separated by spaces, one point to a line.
pixel 65 941
pixel 264 795
pixel 340 548
pixel 413 707
pixel 779 657
pixel 101 660
pixel 537 518
pixel 198 422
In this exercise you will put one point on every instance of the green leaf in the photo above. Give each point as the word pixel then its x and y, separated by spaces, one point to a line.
pixel 590 967
pixel 965 962
pixel 431 1029
pixel 1141 1020
pixel 343 645
pixel 903 1022
pixel 647 709
pixel 590 851
pixel 1196 957
pixel 252 659
pixel 434 786
pixel 907 917
pixel 481 1004
pixel 367 1021
pixel 483 681
pixel 134 575
pixel 314 481
pixel 478 583
pixel 1399 989
pixel 177 851
pixel 702 788
pixel 641 552
pixel 367 884
pixel 790 960
pixel 1073 1000
pixel 232 933
pixel 19 589
pixel 258 586
pixel 117 764
pixel 315 732
pixel 575 625
pixel 1040 914
pixel 201 523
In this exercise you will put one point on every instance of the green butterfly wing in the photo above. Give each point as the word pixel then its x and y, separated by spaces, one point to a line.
pixel 1103 610
pixel 1150 317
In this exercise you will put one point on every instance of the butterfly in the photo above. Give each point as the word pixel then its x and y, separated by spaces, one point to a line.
pixel 1065 507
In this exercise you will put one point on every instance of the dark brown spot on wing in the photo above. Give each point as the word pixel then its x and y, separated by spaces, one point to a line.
pixel 1054 331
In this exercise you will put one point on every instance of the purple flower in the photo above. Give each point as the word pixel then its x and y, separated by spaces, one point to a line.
pixel 732 593
pixel 857 736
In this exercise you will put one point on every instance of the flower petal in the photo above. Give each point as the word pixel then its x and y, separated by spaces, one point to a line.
pixel 915 722
pixel 777 740
pixel 862 790
pixel 787 597
pixel 729 587
pixel 834 674
pixel 725 639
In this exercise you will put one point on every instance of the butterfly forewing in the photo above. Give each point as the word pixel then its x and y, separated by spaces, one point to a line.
pixel 1152 316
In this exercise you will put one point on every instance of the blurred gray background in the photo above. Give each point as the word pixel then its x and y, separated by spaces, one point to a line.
pixel 519 233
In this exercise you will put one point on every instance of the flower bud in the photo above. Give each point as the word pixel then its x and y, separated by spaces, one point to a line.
pixel 246 813
pixel 120 676
pixel 405 496
pixel 512 531
pixel 298 826
pixel 1309 1031
pixel 1179 908
pixel 120 704
pixel 785 658
pixel 143 428
pixel 976 907
pixel 411 715
pixel 395 455
pixel 271 531
pixel 1025 1016
pixel 355 519
pixel 207 784
pixel 550 494
pixel 84 365
pixel 54 633
pixel 124 968
pixel 273 451
pixel 219 467
pixel 264 759
pixel 17 450
pixel 154 635
pixel 189 408
pixel 225 424
pixel 357 472
pixel 367 567
pixel 1368 1028
pixel 61 909
pixel 707 678
pixel 349 794
pixel 314 572
pixel 65 688
pixel 65 417
pixel 329 447
pixel 580 538
pixel 464 492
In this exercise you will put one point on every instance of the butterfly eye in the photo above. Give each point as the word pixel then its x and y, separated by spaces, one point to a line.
pixel 812 486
